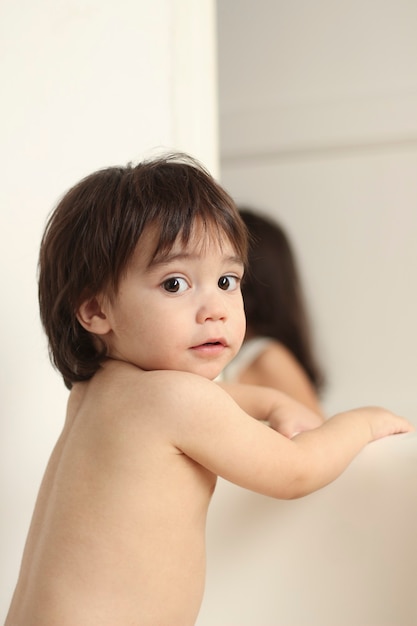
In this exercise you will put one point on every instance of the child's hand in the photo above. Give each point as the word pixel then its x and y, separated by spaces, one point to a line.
pixel 382 422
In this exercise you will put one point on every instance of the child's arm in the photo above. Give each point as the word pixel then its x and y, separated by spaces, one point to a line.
pixel 285 415
pixel 209 427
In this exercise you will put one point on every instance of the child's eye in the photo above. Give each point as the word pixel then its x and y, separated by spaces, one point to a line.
pixel 175 284
pixel 228 283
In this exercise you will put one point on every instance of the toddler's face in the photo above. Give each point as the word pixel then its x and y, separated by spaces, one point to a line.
pixel 183 312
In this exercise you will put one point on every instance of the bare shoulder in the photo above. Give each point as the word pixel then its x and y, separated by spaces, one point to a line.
pixel 126 383
pixel 275 361
pixel 130 423
pixel 162 398
pixel 278 368
pixel 278 365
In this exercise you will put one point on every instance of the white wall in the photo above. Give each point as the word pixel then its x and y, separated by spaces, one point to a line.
pixel 318 128
pixel 85 84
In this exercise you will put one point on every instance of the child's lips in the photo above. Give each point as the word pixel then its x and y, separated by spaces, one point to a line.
pixel 211 347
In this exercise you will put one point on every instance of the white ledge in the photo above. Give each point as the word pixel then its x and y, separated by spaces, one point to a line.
pixel 343 556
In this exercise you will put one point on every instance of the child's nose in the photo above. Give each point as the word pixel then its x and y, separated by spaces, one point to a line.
pixel 211 308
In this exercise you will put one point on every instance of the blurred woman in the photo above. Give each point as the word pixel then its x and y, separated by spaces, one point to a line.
pixel 278 348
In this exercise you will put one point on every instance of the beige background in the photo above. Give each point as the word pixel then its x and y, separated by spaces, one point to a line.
pixel 318 127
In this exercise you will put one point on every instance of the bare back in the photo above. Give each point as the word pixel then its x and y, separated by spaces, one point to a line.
pixel 117 535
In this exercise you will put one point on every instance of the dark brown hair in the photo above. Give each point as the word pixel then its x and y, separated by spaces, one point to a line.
pixel 93 232
pixel 272 292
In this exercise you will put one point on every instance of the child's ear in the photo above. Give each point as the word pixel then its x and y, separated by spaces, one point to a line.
pixel 92 317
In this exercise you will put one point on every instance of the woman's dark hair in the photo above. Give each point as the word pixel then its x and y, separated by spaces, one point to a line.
pixel 93 232
pixel 272 292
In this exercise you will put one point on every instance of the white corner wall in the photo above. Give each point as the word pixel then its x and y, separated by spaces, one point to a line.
pixel 85 85
pixel 318 128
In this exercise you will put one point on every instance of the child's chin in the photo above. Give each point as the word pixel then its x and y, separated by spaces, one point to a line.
pixel 217 375
pixel 211 373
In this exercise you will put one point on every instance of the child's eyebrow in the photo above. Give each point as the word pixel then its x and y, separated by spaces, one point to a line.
pixel 183 256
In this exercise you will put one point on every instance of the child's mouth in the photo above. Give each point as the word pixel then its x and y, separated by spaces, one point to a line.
pixel 213 348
